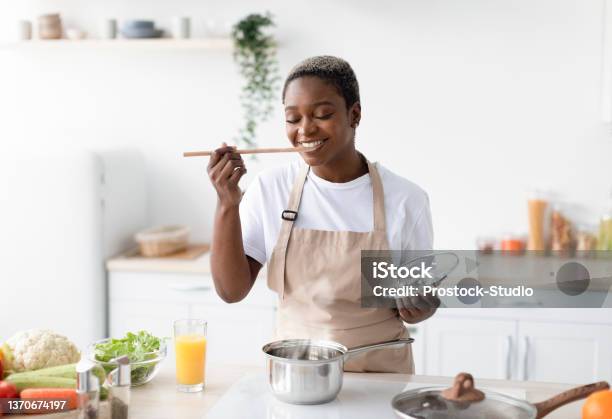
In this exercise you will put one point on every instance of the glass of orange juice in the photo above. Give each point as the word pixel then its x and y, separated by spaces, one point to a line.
pixel 190 350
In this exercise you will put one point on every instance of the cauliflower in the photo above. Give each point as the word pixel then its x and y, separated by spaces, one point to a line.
pixel 38 348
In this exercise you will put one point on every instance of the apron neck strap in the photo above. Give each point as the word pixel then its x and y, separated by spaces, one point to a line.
pixel 378 195
pixel 287 225
pixel 298 187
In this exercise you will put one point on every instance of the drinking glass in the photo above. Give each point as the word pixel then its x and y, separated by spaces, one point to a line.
pixel 190 350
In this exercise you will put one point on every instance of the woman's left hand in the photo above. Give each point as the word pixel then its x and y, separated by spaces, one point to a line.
pixel 416 309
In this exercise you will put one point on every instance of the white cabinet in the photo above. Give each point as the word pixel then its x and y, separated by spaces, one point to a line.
pixel 554 345
pixel 236 333
pixel 417 332
pixel 570 353
pixel 155 317
pixel 153 300
pixel 484 348
pixel 518 349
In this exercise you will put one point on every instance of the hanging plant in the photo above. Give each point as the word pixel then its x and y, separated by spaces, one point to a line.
pixel 255 54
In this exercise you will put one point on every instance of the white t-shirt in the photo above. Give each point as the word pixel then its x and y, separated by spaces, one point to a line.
pixel 333 207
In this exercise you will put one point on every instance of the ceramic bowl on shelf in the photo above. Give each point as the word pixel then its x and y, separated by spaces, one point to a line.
pixel 140 29
pixel 50 26
pixel 139 24
pixel 141 33
pixel 49 19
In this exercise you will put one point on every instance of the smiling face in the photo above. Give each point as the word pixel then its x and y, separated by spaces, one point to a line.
pixel 317 117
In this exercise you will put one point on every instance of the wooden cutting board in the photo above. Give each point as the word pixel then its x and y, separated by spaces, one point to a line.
pixel 193 251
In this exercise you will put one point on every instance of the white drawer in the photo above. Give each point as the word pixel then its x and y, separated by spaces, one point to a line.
pixel 179 288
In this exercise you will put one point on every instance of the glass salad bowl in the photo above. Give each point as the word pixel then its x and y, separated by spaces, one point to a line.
pixel 144 365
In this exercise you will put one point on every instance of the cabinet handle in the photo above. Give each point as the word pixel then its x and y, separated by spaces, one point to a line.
pixel 508 357
pixel 189 287
pixel 526 359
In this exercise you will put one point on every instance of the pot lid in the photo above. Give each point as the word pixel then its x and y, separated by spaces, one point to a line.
pixel 462 400
pixel 428 403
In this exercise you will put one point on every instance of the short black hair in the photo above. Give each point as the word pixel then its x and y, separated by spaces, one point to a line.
pixel 332 70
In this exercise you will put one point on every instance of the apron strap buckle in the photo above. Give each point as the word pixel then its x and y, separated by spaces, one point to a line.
pixel 289 215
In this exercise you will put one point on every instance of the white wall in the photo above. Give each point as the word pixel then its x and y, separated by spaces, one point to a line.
pixel 476 100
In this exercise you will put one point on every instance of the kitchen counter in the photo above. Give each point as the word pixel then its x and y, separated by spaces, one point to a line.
pixel 129 262
pixel 159 399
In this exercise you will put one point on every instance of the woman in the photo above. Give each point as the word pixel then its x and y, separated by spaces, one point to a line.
pixel 310 221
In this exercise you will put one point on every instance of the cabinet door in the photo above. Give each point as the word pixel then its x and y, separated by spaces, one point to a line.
pixel 566 353
pixel 236 332
pixel 417 331
pixel 155 317
pixel 484 348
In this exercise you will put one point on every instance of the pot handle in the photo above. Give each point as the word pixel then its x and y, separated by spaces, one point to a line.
pixel 364 348
pixel 547 406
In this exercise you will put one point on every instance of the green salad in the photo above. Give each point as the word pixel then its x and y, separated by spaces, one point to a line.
pixel 140 346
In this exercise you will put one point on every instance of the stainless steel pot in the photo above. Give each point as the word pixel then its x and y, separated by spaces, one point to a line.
pixel 303 371
pixel 464 401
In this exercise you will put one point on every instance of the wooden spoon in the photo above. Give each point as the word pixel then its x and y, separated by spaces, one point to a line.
pixel 249 151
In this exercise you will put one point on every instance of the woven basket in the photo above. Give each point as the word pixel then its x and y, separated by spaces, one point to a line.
pixel 162 241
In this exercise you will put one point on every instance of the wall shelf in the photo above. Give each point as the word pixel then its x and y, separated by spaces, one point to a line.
pixel 120 44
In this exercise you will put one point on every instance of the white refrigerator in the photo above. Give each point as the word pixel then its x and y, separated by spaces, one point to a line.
pixel 62 214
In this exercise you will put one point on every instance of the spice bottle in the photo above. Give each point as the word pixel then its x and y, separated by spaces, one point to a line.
pixel 120 389
pixel 562 235
pixel 536 206
pixel 586 242
pixel 604 241
pixel 88 391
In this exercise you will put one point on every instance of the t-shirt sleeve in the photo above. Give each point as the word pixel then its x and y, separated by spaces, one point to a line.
pixel 419 235
pixel 251 220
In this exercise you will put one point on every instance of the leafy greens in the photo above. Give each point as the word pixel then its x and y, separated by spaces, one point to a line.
pixel 140 346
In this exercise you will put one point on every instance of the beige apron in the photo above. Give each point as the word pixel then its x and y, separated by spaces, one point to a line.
pixel 317 275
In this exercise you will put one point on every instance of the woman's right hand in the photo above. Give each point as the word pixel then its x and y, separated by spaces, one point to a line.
pixel 225 169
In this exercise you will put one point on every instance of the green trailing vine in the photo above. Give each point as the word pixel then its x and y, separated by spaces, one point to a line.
pixel 255 54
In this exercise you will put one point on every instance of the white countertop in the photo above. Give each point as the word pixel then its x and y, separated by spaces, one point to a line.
pixel 124 263
pixel 159 399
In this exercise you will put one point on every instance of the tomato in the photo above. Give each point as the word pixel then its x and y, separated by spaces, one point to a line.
pixel 8 390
